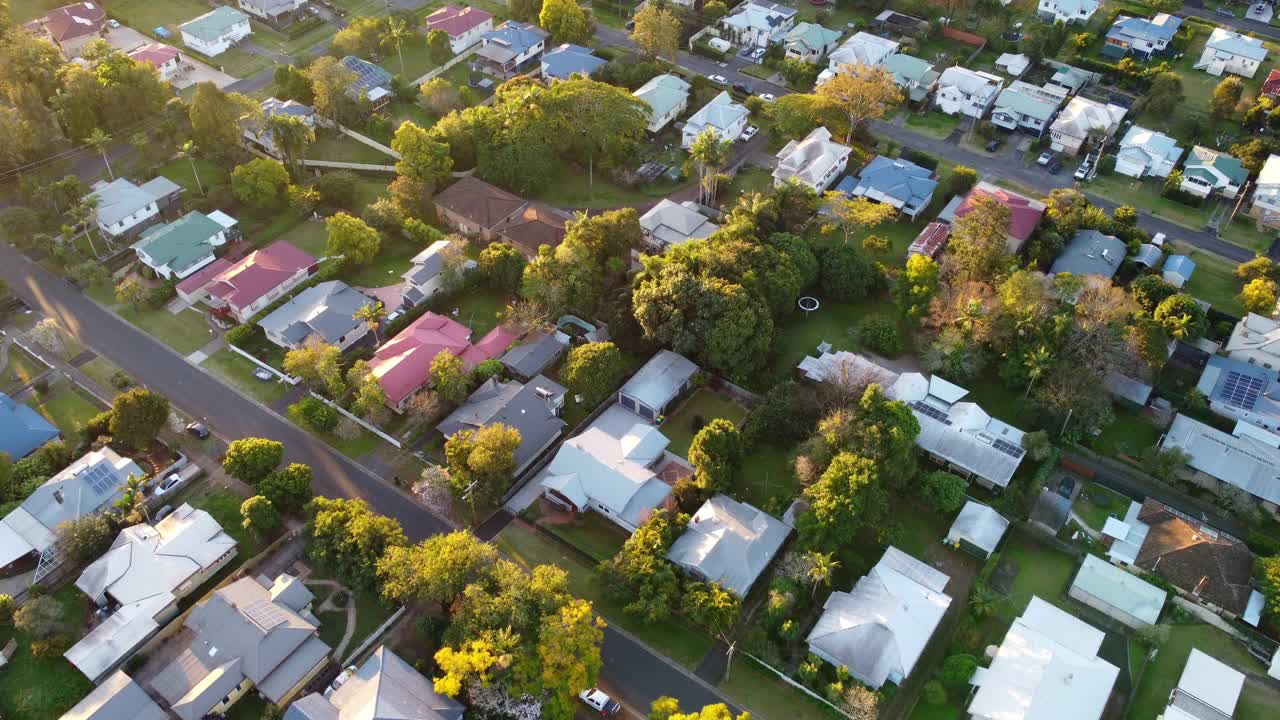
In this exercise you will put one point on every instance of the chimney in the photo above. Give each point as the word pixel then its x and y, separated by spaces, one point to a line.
pixel 57 496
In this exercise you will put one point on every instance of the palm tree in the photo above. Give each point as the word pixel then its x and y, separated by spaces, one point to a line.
pixel 372 314
pixel 397 31
pixel 1037 362
pixel 821 567
pixel 709 152
pixel 101 142
pixel 290 135
pixel 133 504
pixel 188 151
pixel 81 215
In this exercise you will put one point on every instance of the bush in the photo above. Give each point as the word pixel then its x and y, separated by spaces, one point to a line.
pixel 881 335
pixel 957 669
pixel 337 189
pixel 923 159
pixel 51 647
pixel 41 387
pixel 97 426
pixel 6 608
pixel 702 48
pixel 241 335
pixel 120 381
pixel 943 491
pixel 934 693
pixel 314 414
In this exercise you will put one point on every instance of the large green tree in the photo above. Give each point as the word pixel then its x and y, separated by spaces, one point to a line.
pixel 349 539
pixel 436 570
pixel 715 454
pixel 978 248
pixel 844 500
pixel 481 461
pixel 137 416
pixel 566 21
pixel 352 238
pixel 252 459
pixel 288 489
pixel 261 183
pixel 422 158
pixel 217 117
pixel 593 370
pixel 569 655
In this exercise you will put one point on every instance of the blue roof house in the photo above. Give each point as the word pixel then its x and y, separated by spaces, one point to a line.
pixel 567 60
pixel 371 81
pixel 22 430
pixel 1142 37
pixel 1178 269
pixel 904 185
pixel 506 49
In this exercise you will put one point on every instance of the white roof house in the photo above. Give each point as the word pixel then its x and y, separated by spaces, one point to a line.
pixel 1013 63
pixel 649 392
pixel 758 23
pixel 1146 153
pixel 1266 193
pixel 148 569
pixel 879 628
pixel 844 366
pixel 862 48
pixel 1023 106
pixel 117 698
pixel 669 223
pixel 1047 668
pixel 1127 535
pixel 721 114
pixel 1248 458
pixel 1067 11
pixel 966 92
pixel 1117 593
pixel 1255 340
pixel 1231 52
pixel 667 96
pixel 1081 119
pixel 979 526
pixel 123 206
pixel 816 161
pixel 728 542
pixel 1207 683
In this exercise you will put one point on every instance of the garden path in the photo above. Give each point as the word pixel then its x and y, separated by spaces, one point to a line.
pixel 330 606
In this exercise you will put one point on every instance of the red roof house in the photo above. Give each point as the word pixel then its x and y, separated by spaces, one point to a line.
pixel 258 279
pixel 492 345
pixel 192 288
pixel 460 22
pixel 1271 86
pixel 156 53
pixel 1024 213
pixel 75 21
pixel 931 240
pixel 403 363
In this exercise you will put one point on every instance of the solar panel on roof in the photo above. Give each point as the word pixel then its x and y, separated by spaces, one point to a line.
pixel 100 479
pixel 930 411
pixel 1007 448
pixel 265 614
pixel 1240 390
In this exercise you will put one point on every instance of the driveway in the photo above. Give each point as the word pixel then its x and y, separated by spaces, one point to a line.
pixel 193 71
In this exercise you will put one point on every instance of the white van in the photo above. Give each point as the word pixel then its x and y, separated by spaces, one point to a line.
pixel 719 44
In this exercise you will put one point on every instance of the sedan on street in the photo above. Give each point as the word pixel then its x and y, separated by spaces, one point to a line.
pixel 717 80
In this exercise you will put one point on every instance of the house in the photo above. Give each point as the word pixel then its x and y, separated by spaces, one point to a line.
pixel 669 223
pixel 474 208
pixel 1013 64
pixel 1082 122
pixel 272 106
pixel 258 279
pixel 1117 593
pixel 194 289
pixel 900 183
pixel 72 27
pixel 618 467
pixel 891 21
pixel 125 209
pixel 728 542
pixel 1046 668
pixel 140 581
pixel 667 97
pixel 85 487
pixel 273 11
pixel 916 77
pixel 384 686
pixel 427 274
pixel 167 60
pixel 1266 194
pixel 325 311
pixel 175 250
pixel 1207 171
pixel 966 92
pixel 814 162
pixel 1231 52
pixel 1241 391
pixel 810 42
pixel 402 364
pixel 1255 340
pixel 1067 11
pixel 1123 387
pixel 931 240
pixel 506 50
pixel 22 429
pixel 1143 37
pixel 1178 270
pixel 531 408
pixel 533 226
pixel 879 629
pixel 537 352
pixel 1208 688
pixel 1072 78
pixel 1051 510
pixel 650 392
pixel 1026 107
pixel 1271 86
pixel 464 25
pixel 861 49
pixel 1146 153
pixel 567 60
pixel 1089 252
pixel 977 530
pixel 1024 212
pixel 117 698
pixel 844 367
pixel 726 117
pixel 757 23
pixel 372 82
pixel 217 31
pixel 253 633
pixel 1246 458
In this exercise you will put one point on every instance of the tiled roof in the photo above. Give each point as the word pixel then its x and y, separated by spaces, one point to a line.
pixel 456 20
pixel 258 273
pixel 156 53
pixel 534 226
pixel 77 20
pixel 479 202
pixel 1024 213
pixel 403 363
pixel 1195 558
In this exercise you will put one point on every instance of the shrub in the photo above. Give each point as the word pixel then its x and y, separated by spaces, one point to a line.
pixel 314 414
pixel 51 647
pixel 881 335
pixel 923 159
pixel 943 491
pixel 934 693
pixel 957 669
pixel 120 381
pixel 240 335
pixel 6 608
pixel 97 426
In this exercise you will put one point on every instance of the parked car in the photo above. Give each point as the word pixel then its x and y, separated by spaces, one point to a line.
pixel 718 80
pixel 994 145
pixel 1055 166
pixel 394 316
pixel 198 429
pixel 757 54
pixel 164 513
pixel 113 23
pixel 597 700
pixel 630 25
pixel 1045 158
pixel 1065 486
pixel 767 97
pixel 743 88
pixel 748 133
pixel 1223 12
pixel 167 485
pixel 1082 172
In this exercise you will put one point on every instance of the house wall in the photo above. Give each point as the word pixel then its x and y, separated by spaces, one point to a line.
pixel 1050 9
pixel 464 225
pixel 471 37
pixel 1061 142
pixel 245 686
pixel 731 133
pixel 1131 169
pixel 242 314
pixel 951 101
pixel 1266 207
pixel 656 123
pixel 74 48
pixel 1105 608
pixel 134 223
pixel 1217 63
pixel 234 34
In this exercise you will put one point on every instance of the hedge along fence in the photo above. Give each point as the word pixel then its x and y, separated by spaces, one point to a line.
pixel 348 415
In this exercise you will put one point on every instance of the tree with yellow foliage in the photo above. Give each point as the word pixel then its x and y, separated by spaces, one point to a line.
pixel 862 92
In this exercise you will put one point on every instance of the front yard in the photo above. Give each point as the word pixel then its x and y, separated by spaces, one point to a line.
pixel 1214 281
pixel 21 368
pixel 238 371
pixel 44 688
pixel 68 407
pixel 334 146
pixel 933 124
pixel 1258 701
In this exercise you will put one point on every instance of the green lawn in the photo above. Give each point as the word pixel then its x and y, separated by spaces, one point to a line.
pixel 23 10
pixel 573 189
pixel 238 371
pixel 388 265
pixel 310 237
pixel 146 15
pixel 270 38
pixel 703 406
pixel 1244 232
pixel 925 711
pixel 369 190
pixel 478 309
pixel 251 706
pixel 44 689
pixel 766 695
pixel 799 334
pixel 922 526
pixel 1094 513
pixel 766 475
pixel 101 371
pixel 180 171
pixel 1214 281
pixel 68 407
pixel 21 368
pixel 592 534
pixel 185 332
pixel 1042 571
pixel 672 638
pixel 417 61
pixel 749 179
pixel 401 112
pixel 1161 676
pixel 1129 434
pixel 340 148
pixel 934 124
pixel 224 506
pixel 1146 195
pixel 371 612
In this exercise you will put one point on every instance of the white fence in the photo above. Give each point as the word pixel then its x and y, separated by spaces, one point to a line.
pixel 358 421
pixel 287 379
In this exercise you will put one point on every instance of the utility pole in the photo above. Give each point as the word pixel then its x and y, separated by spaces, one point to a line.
pixel 469 495
pixel 1239 199
pixel 729 663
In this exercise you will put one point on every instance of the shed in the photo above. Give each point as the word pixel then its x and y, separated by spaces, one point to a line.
pixel 650 391
pixel 1178 270
pixel 977 529
pixel 1148 256
pixel 1117 593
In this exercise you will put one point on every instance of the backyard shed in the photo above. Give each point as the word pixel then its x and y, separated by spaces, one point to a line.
pixel 977 529
pixel 650 391
pixel 1117 593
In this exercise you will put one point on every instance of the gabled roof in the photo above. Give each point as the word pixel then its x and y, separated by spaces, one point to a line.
pixel 456 20
pixel 663 93
pixel 1255 333
pixel 1016 99
pixel 181 244
pixel 205 275
pixel 729 542
pixel 970 82
pixel 326 310
pixel 1180 265
pixel 426 264
pixel 908 69
pixel 120 198
pixel 117 698
pixel 811 159
pixel 1014 63
pixel 76 20
pixel 1246 459
pixel 525 407
pixel 536 353
pixel 369 77
pixel 720 113
pixel 811 37
pixel 843 366
pixel 978 524
pixel 1233 43
pixel 862 48
pixel 1082 116
pixel 384 687
pixel 479 202
pixel 1195 557
pixel 1024 213
pixel 1207 684
pixel 258 273
pixel 898 182
pixel 22 429
pixel 403 363
pixel 155 53
pixel 1089 252
pixel 673 223
pixel 759 15
pixel 881 626
pixel 931 239
pixel 568 59
pixel 1162 27
pixel 275 106
pixel 1153 146
pixel 213 25
pixel 510 40
pixel 1120 589
pixel 1208 163
pixel 533 226
pixel 660 380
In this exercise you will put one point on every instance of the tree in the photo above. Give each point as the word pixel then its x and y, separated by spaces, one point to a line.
pixel 1151 290
pixel 288 489
pixel 640 573
pixel 129 292
pixel 348 539
pixel 481 462
pixel 435 570
pixel 421 157
pixel 137 416
pixel 101 143
pixel 291 83
pixel 709 152
pixel 846 498
pixel 1267 570
pixel 524 10
pixel 797 114
pixel 39 617
pixel 85 539
pixel 715 453
pixel 593 370
pixel 261 182
pixel 260 516
pixel 372 314
pixel 1259 267
pixel 362 37
pixel 438 46
pixel 351 238
pixel 1165 94
pixel 711 607
pixel 1226 96
pixel 440 96
pixel 957 669
pixel 216 119
pixel 569 655
pixel 290 135
pixel 397 32
pixel 251 459
pixel 862 92
pixel 318 364
pixel 820 567
pixel 330 80
pixel 1259 296
pixel 188 151
pixel 449 377
pixel 916 286
pixel 715 9
pixel 566 21
pixel 853 215
pixel 978 247
pixel 657 31
pixel 848 274
pixel 133 502
pixel 1181 316
pixel 468 664
pixel 943 491
pixel 501 265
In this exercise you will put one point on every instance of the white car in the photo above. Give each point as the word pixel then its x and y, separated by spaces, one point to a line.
pixel 263 375
pixel 767 97
pixel 718 80
pixel 748 133
pixel 597 700
pixel 167 485
pixel 757 53
pixel 113 24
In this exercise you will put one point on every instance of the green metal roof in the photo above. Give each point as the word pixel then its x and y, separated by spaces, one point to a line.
pixel 213 25
pixel 181 243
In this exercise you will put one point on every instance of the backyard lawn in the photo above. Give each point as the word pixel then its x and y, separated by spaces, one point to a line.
pixel 309 237
pixel 238 371
pixel 1215 282
pixel 1042 571
pixel 146 15
pixel 1161 676
pixel 1129 434
pixel 703 406
pixel 766 477
pixel 392 260
pixel 68 407
pixel 180 171
pixel 340 148
pixel 20 369
pixel 478 309
pixel 672 638
pixel 417 61
pixel 1096 503
pixel 44 689
pixel 833 322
